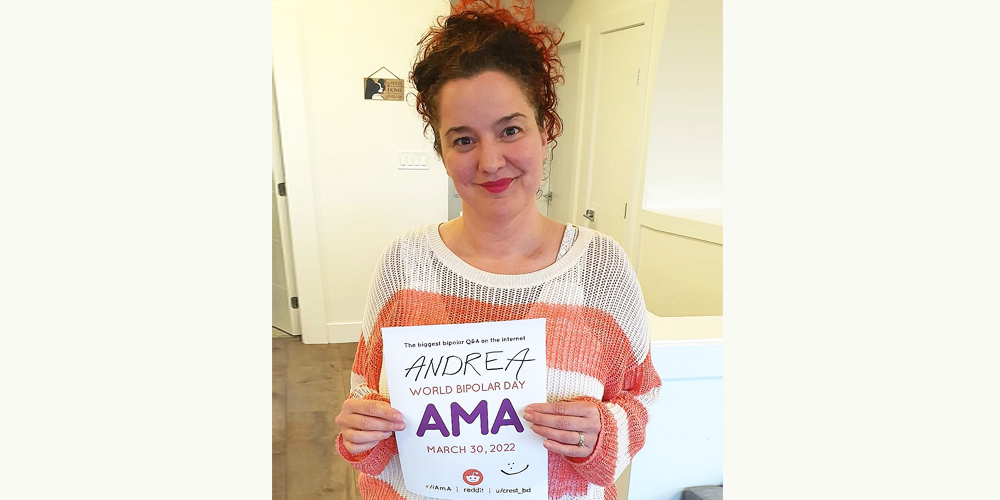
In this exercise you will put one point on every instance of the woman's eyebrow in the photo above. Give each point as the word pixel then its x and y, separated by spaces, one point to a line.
pixel 465 128
pixel 510 117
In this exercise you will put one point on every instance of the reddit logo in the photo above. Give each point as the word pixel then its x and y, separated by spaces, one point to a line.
pixel 472 477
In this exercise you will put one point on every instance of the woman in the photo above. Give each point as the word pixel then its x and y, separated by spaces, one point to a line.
pixel 485 86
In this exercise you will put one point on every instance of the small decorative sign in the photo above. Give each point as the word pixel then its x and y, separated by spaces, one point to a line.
pixel 462 390
pixel 383 89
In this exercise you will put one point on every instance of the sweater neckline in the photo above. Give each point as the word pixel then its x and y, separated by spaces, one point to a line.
pixel 535 278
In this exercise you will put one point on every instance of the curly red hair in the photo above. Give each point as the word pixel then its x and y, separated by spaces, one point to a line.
pixel 466 44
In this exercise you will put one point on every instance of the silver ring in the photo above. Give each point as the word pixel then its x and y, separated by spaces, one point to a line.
pixel 581 443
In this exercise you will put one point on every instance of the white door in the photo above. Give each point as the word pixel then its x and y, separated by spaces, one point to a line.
pixel 622 47
pixel 283 316
pixel 562 171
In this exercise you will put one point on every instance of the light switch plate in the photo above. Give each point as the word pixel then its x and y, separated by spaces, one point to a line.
pixel 413 160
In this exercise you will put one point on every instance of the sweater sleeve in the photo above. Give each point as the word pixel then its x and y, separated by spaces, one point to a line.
pixel 367 367
pixel 632 384
pixel 623 426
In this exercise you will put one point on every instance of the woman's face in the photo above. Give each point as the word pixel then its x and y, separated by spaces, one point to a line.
pixel 490 144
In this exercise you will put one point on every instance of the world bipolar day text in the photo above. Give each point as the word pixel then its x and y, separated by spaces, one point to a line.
pixel 463 388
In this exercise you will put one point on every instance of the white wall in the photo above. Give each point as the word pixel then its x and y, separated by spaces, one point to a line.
pixel 363 200
pixel 572 15
pixel 684 436
pixel 684 159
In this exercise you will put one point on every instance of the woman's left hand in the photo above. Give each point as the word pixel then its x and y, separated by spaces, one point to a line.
pixel 566 424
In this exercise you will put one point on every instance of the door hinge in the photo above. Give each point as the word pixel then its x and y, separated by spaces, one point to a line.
pixel 548 196
pixel 626 211
pixel 637 76
pixel 589 215
pixel 281 189
pixel 295 302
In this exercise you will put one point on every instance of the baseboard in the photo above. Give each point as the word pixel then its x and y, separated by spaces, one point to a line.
pixel 339 333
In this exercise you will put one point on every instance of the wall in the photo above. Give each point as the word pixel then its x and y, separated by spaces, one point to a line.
pixel 362 199
pixel 684 159
pixel 680 263
pixel 572 16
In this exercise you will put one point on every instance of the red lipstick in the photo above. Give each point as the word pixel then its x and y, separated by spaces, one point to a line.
pixel 497 186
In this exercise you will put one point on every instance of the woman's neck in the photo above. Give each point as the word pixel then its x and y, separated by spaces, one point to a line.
pixel 508 245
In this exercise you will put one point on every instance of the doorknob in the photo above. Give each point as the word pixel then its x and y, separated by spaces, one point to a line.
pixel 589 215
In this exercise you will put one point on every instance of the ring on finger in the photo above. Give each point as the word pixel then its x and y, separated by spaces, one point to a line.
pixel 582 443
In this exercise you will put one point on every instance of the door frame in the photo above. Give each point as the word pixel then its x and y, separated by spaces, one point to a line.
pixel 303 216
pixel 576 166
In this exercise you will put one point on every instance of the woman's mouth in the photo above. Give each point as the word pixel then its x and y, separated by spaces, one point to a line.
pixel 497 186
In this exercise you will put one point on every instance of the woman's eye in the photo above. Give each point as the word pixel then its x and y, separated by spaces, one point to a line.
pixel 509 131
pixel 463 141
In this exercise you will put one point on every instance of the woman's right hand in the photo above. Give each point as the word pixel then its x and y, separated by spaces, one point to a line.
pixel 365 422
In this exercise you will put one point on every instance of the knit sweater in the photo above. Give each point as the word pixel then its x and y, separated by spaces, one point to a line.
pixel 596 344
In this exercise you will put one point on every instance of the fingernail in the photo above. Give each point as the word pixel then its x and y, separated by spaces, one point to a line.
pixel 528 417
pixel 386 434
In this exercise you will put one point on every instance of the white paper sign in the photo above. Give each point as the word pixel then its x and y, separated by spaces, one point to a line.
pixel 462 390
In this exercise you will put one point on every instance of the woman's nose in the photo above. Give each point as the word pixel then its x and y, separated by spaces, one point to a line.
pixel 490 157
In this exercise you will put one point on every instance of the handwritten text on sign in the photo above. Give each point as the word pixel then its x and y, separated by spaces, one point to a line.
pixel 462 390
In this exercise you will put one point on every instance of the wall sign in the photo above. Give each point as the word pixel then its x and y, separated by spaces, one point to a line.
pixel 462 390
pixel 383 89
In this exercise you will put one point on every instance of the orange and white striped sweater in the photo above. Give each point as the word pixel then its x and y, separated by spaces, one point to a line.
pixel 597 345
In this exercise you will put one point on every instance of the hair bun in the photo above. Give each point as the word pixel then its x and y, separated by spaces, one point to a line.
pixel 487 38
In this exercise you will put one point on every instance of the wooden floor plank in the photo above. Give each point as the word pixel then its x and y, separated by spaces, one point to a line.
pixel 314 377
pixel 346 356
pixel 279 369
pixel 310 384
pixel 315 470
pixel 347 352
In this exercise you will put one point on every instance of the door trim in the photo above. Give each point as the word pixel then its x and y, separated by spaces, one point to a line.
pixel 289 88
pixel 576 206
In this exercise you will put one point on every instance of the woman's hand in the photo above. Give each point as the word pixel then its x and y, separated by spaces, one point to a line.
pixel 563 423
pixel 365 422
